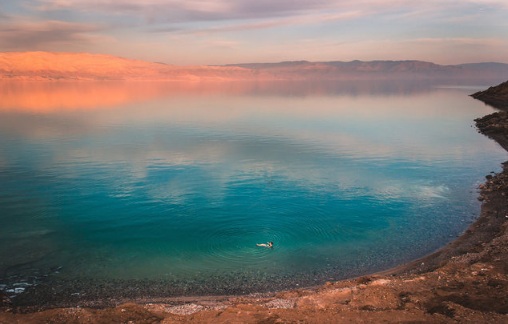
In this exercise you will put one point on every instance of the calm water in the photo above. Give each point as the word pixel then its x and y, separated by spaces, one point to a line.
pixel 176 184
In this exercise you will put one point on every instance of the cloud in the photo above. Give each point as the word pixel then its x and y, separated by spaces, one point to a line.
pixel 177 11
pixel 490 3
pixel 224 16
pixel 263 24
pixel 458 41
pixel 22 35
pixel 252 29
pixel 203 10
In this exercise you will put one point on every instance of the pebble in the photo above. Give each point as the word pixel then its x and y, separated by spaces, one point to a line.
pixel 22 284
pixel 186 309
pixel 18 290
pixel 281 304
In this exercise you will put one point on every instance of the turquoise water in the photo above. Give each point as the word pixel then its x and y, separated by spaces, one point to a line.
pixel 148 183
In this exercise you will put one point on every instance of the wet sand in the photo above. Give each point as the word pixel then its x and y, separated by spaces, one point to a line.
pixel 466 282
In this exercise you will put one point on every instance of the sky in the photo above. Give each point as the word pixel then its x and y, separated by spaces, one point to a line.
pixel 197 32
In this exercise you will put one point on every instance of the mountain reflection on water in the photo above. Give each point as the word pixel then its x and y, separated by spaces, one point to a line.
pixel 40 96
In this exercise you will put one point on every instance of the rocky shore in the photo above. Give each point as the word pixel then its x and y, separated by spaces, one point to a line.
pixel 496 96
pixel 465 282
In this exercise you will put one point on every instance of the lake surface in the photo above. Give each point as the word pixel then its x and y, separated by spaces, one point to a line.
pixel 168 187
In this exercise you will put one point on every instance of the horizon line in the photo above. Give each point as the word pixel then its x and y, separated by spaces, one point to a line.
pixel 253 63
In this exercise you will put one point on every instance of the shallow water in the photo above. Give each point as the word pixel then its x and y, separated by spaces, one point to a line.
pixel 176 183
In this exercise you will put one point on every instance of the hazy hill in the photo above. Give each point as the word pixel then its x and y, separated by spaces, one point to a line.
pixel 83 66
pixel 380 70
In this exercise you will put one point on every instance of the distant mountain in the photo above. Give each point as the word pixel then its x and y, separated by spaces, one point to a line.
pixel 379 70
pixel 495 96
pixel 83 66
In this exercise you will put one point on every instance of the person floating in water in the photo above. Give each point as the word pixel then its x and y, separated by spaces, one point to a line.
pixel 268 245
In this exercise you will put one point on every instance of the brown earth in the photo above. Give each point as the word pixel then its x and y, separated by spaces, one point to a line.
pixel 465 282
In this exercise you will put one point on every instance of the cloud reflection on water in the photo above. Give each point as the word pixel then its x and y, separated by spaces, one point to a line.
pixel 222 128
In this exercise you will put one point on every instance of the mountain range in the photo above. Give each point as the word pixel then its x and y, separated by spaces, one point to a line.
pixel 85 66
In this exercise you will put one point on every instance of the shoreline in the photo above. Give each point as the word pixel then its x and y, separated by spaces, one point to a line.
pixel 465 280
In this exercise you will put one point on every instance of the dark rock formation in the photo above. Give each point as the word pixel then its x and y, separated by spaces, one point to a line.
pixel 496 97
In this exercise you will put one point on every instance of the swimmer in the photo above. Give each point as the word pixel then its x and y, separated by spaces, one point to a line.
pixel 268 245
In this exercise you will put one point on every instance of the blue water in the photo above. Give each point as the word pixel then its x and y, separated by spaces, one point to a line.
pixel 178 185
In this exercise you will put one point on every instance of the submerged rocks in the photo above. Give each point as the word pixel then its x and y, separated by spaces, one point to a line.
pixel 4 299
pixel 495 126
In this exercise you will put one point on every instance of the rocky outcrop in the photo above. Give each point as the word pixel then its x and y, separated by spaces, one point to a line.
pixel 495 126
pixel 496 97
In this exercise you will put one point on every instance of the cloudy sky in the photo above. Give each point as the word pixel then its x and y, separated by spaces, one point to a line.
pixel 239 31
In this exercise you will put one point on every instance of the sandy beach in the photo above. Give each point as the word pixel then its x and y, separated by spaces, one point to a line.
pixel 465 281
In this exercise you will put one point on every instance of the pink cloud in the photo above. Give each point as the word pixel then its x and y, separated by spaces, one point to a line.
pixel 268 23
pixel 207 10
pixel 22 34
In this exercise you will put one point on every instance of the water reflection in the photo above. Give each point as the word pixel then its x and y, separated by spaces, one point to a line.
pixel 45 97
pixel 223 130
pixel 156 180
pixel 374 118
